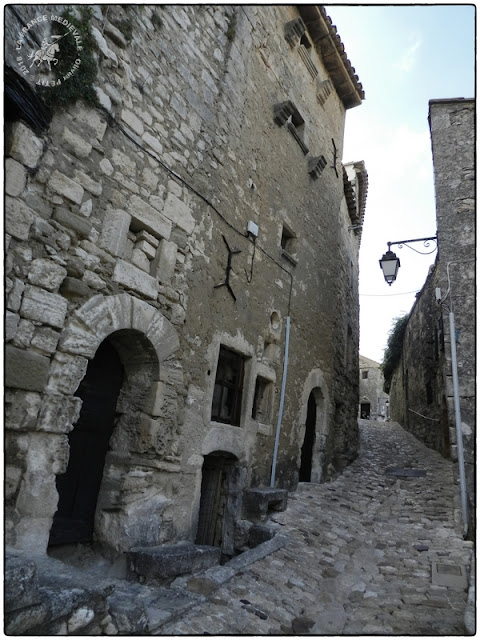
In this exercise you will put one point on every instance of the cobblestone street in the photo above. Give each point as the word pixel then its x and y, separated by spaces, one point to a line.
pixel 378 551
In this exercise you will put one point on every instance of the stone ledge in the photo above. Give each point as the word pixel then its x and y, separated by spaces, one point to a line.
pixel 172 560
pixel 258 501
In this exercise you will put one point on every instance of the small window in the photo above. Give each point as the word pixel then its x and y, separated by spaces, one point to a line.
pixel 227 394
pixel 364 375
pixel 262 401
pixel 305 41
pixel 288 242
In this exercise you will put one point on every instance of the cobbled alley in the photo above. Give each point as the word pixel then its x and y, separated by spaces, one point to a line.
pixel 378 551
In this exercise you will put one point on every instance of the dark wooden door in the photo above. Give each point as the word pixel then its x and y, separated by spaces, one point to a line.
pixel 78 487
pixel 210 517
pixel 305 473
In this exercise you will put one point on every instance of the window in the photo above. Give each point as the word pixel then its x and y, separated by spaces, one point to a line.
pixel 288 244
pixel 364 375
pixel 227 394
pixel 261 401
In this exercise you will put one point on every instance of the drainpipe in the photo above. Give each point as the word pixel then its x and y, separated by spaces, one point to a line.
pixel 458 424
pixel 282 399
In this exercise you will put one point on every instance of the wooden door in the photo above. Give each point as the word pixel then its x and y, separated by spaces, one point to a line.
pixel 78 487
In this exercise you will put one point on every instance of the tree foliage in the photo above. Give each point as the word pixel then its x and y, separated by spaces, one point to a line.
pixel 393 351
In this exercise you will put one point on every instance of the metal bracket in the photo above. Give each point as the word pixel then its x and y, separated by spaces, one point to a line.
pixel 231 252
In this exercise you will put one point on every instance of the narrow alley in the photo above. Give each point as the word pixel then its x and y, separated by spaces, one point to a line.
pixel 377 551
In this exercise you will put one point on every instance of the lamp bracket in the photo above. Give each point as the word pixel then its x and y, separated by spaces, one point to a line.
pixel 426 243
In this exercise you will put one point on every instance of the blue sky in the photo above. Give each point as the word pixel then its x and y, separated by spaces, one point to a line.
pixel 404 55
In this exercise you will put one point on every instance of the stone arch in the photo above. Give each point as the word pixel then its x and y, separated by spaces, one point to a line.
pixel 131 499
pixel 315 388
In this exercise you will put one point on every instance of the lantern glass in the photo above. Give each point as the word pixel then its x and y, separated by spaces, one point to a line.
pixel 390 264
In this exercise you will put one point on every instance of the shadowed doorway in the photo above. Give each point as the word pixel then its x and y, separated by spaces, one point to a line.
pixel 78 487
pixel 305 473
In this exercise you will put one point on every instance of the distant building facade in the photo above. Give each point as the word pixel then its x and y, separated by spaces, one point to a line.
pixel 374 402
pixel 422 391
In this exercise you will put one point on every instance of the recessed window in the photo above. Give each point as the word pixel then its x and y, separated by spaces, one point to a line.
pixel 227 394
pixel 364 375
pixel 305 41
pixel 288 241
pixel 261 409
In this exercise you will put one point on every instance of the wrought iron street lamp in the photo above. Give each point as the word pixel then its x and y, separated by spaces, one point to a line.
pixel 389 262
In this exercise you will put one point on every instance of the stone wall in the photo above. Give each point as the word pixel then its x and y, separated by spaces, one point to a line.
pixel 127 223
pixel 423 382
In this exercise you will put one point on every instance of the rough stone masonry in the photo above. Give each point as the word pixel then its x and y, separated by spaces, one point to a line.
pixel 164 250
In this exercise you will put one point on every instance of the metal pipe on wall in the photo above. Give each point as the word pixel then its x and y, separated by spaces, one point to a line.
pixel 282 399
pixel 458 424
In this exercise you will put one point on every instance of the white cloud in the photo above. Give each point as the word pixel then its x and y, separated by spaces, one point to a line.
pixel 409 57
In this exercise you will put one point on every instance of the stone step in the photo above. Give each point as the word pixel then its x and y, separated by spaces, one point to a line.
pixel 172 560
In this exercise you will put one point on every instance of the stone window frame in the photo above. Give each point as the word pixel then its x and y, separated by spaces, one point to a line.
pixel 288 244
pixel 364 375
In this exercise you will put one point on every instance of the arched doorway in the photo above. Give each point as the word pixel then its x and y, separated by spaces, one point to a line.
pixel 215 527
pixel 78 487
pixel 305 473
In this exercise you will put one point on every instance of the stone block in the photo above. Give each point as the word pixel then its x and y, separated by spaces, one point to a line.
pixel 58 413
pixel 46 273
pixel 14 297
pixel 145 217
pixel 21 584
pixel 106 166
pixel 140 260
pixel 77 144
pixel 147 248
pixel 65 186
pixel 23 334
pixel 20 621
pixel 15 177
pixel 22 412
pixel 113 237
pixel 18 218
pixel 134 278
pixel 45 339
pixel 25 369
pixel 11 324
pixel 75 288
pixel 131 120
pixel 66 373
pixel 257 502
pixel 105 101
pixel 102 45
pixel 165 261
pixel 95 188
pixel 75 223
pixel 124 163
pixel 25 147
pixel 153 142
pixel 179 213
pixel 172 560
pixel 47 308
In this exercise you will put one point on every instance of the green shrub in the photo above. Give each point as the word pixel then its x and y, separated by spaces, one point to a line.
pixel 393 351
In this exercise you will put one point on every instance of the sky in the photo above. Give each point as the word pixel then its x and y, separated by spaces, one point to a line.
pixel 404 56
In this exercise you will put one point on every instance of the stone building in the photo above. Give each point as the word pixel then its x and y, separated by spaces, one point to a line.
pixel 169 252
pixel 422 392
pixel 374 402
